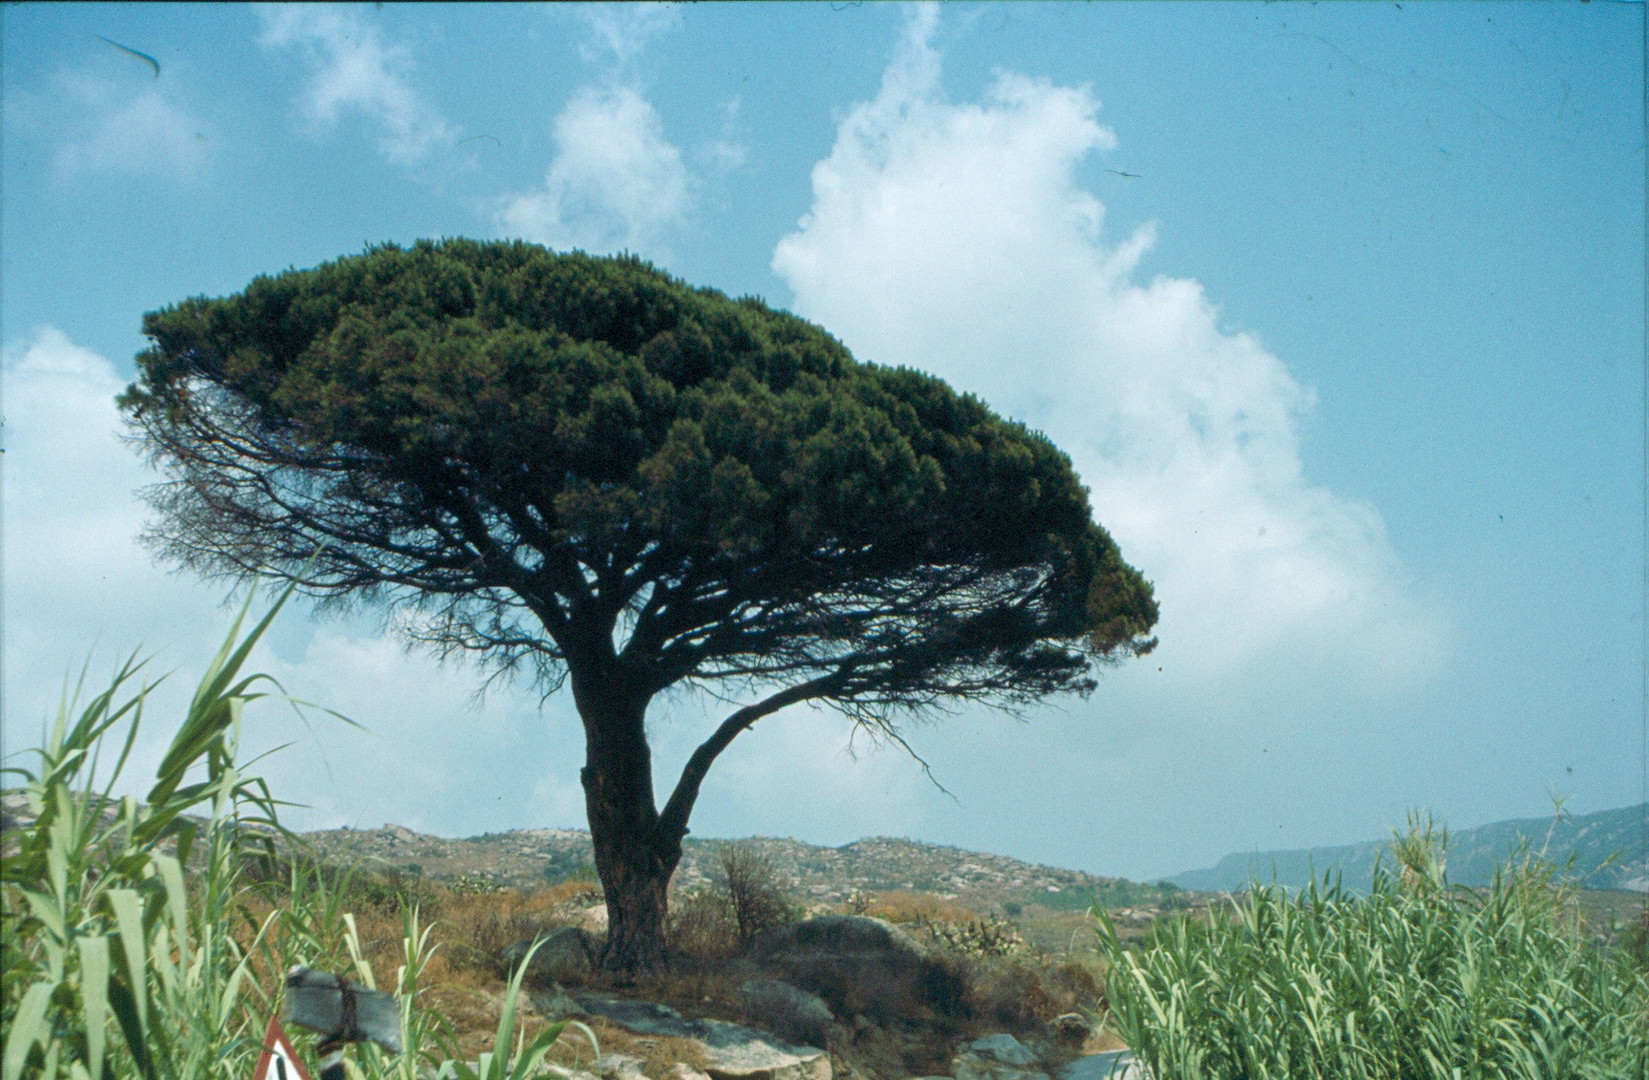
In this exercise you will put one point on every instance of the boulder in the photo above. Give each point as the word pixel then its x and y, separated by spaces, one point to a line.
pixel 838 935
pixel 567 955
pixel 683 1071
pixel 732 1052
pixel 641 1017
pixel 787 1011
pixel 858 966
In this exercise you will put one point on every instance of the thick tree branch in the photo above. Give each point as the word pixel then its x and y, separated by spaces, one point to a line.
pixel 673 819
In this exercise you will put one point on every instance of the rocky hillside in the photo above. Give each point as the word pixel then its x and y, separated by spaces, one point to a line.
pixel 527 857
pixel 820 874
pixel 1473 854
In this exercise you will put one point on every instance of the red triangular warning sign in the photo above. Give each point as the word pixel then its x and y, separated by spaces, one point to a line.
pixel 278 1060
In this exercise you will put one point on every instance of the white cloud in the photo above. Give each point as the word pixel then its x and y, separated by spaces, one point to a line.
pixel 728 152
pixel 955 238
pixel 126 125
pixel 623 30
pixel 800 772
pixel 615 181
pixel 354 70
pixel 432 756
pixel 78 585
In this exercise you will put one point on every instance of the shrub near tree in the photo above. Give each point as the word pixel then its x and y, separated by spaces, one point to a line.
pixel 755 893
pixel 586 469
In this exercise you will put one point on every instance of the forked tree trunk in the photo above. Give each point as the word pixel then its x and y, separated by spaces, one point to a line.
pixel 632 856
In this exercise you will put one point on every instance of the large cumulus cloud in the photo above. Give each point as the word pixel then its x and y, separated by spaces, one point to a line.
pixel 956 237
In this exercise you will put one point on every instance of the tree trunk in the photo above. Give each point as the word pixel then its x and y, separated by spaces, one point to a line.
pixel 633 856
pixel 635 883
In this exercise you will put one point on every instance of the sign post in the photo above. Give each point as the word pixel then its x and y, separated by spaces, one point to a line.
pixel 278 1060
pixel 341 1012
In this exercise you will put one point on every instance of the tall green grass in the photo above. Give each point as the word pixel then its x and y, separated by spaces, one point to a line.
pixel 128 945
pixel 1416 980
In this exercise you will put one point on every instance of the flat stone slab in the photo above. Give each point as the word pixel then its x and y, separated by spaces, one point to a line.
pixel 972 1066
pixel 642 1017
pixel 1111 1065
pixel 731 1051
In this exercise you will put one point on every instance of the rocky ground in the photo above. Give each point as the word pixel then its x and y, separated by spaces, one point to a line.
pixel 836 996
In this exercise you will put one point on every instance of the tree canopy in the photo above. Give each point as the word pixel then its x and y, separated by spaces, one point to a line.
pixel 479 429
pixel 585 465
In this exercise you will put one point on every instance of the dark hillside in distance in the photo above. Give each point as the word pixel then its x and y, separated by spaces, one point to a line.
pixel 1473 855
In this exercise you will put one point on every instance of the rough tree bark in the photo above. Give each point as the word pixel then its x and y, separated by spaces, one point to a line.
pixel 634 856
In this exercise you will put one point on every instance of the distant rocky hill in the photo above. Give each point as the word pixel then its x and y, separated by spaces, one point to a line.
pixel 526 857
pixel 1473 855
pixel 821 874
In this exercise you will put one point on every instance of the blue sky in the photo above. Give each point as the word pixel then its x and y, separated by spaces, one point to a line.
pixel 1338 310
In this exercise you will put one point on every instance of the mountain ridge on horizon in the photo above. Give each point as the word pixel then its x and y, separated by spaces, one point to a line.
pixel 1471 858
pixel 821 874
pixel 883 863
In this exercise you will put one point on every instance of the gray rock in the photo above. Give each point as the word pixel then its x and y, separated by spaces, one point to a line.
pixel 1004 1049
pixel 838 935
pixel 1111 1065
pixel 552 1003
pixel 567 955
pixel 738 1053
pixel 617 1067
pixel 731 1051
pixel 787 1011
pixel 683 1071
pixel 642 1017
pixel 858 966
pixel 972 1066
pixel 561 1072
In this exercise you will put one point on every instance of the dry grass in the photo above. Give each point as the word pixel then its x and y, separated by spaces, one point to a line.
pixel 918 907
pixel 474 929
pixel 702 925
pixel 469 930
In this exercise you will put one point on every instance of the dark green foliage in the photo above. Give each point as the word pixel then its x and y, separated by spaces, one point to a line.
pixel 1109 893
pixel 489 424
